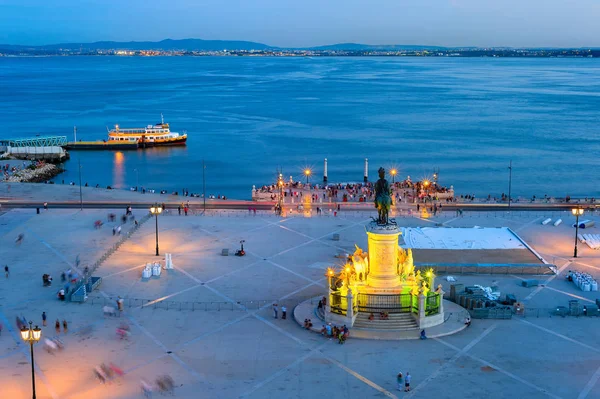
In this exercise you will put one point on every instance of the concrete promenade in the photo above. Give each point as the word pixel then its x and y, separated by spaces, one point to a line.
pixel 209 324
pixel 17 195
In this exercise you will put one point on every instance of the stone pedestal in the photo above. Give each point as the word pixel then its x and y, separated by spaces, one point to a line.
pixel 383 260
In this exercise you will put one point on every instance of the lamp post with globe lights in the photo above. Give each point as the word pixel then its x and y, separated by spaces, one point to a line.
pixel 156 210
pixel 31 335
pixel 576 212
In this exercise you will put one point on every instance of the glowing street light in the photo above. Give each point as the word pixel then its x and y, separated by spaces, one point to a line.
pixel 330 273
pixel 31 335
pixel 156 210
pixel 348 271
pixel 393 172
pixel 307 173
pixel 576 212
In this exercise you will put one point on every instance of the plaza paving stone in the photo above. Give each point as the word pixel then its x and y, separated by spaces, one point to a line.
pixel 241 350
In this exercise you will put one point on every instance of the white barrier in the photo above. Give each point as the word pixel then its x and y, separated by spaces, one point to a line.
pixel 545 222
pixel 559 221
pixel 168 262
pixel 585 224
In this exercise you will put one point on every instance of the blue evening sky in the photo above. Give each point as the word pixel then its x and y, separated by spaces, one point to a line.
pixel 519 23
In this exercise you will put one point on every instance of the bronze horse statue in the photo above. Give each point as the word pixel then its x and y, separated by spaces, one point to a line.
pixel 383 200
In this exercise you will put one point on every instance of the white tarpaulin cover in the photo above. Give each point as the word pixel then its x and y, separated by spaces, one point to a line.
pixel 460 238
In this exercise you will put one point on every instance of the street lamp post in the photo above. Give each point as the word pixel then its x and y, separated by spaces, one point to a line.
pixel 577 212
pixel 307 173
pixel 280 199
pixel 156 210
pixel 509 182
pixel 204 185
pixel 31 335
pixel 426 185
pixel 393 172
pixel 80 192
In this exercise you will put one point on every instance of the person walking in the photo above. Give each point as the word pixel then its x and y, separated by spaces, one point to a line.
pixel 179 209
pixel 44 319
pixel 6 272
pixel 57 326
pixel 275 310
pixel 65 326
pixel 407 382
pixel 283 312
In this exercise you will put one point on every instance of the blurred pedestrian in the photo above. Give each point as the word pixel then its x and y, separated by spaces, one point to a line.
pixel 65 326
pixel 44 319
pixel 57 326
pixel 146 388
pixel 6 272
pixel 275 310
pixel 283 312
pixel 407 382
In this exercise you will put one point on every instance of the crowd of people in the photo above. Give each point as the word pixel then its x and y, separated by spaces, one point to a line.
pixel 332 331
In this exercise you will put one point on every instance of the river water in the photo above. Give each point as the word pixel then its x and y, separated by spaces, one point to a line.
pixel 249 116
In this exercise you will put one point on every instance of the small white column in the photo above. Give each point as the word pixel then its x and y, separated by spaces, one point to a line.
pixel 441 293
pixel 350 308
pixel 421 309
pixel 366 174
pixel 325 172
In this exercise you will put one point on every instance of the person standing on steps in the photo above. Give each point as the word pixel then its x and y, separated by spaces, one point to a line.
pixel 400 380
pixel 407 382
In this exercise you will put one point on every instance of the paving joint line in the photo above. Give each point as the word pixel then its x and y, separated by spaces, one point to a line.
pixel 453 359
pixel 500 369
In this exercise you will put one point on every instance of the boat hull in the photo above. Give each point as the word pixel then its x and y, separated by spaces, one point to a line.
pixel 100 146
pixel 170 143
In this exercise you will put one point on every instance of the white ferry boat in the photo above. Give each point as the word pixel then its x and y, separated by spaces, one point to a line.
pixel 150 136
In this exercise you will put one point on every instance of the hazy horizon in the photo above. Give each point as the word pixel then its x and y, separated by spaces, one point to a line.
pixel 447 23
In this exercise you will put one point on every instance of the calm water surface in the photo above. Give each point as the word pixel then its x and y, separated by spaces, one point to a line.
pixel 249 116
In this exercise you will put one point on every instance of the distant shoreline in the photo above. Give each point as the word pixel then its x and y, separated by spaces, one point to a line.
pixel 454 53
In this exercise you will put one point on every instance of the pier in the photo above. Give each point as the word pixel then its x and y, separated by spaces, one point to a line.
pixel 43 148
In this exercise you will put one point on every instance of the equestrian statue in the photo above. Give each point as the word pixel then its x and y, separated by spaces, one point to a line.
pixel 383 199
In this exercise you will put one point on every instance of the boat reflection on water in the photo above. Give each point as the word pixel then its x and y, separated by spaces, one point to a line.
pixel 118 169
pixel 142 167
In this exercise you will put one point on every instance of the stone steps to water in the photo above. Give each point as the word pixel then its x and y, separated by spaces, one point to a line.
pixel 396 321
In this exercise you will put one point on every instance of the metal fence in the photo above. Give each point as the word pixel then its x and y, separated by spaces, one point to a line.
pixel 374 303
pixel 487 268
pixel 432 303
pixel 92 268
pixel 338 303
pixel 244 305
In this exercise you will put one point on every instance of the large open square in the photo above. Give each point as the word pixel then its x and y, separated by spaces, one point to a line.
pixel 208 322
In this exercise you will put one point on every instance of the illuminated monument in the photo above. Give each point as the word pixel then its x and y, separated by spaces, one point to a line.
pixel 383 280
